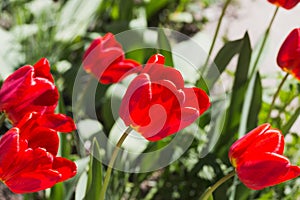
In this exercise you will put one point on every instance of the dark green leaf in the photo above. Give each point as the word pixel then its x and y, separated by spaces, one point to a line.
pixel 154 6
pixel 256 103
pixel 222 59
pixel 252 106
pixel 126 8
pixel 237 97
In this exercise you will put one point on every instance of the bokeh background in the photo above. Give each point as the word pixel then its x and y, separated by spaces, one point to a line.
pixel 61 30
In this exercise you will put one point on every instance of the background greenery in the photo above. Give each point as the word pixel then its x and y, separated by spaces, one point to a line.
pixel 61 30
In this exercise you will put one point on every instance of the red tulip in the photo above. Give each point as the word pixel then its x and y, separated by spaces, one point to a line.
pixel 36 127
pixel 26 165
pixel 56 122
pixel 29 89
pixel 105 59
pixel 287 4
pixel 157 104
pixel 258 158
pixel 289 54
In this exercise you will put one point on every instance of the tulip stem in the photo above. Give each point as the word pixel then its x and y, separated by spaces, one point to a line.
pixel 112 161
pixel 211 189
pixel 266 35
pixel 276 95
pixel 215 35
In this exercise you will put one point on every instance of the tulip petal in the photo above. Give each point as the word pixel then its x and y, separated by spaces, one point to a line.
pixel 196 98
pixel 42 70
pixel 294 171
pixel 135 103
pixel 119 70
pixel 42 137
pixel 105 59
pixel 15 85
pixel 33 181
pixel 159 72
pixel 9 146
pixel 265 169
pixel 288 57
pixel 107 41
pixel 27 90
pixel 57 122
pixel 270 141
pixel 157 58
pixel 287 4
pixel 240 146
pixel 65 167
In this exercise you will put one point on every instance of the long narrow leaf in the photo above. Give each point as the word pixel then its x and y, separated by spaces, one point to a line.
pixel 285 129
pixel 237 97
pixel 222 59
pixel 94 182
pixel 252 105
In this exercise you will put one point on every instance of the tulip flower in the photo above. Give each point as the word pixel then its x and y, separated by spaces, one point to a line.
pixel 26 165
pixel 35 126
pixel 157 104
pixel 56 122
pixel 258 158
pixel 288 57
pixel 105 59
pixel 29 89
pixel 287 4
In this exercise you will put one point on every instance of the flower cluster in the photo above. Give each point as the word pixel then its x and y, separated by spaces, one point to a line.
pixel 156 103
pixel 28 151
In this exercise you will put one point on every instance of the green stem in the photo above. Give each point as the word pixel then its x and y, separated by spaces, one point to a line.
pixel 112 162
pixel 2 119
pixel 267 33
pixel 210 190
pixel 215 35
pixel 276 95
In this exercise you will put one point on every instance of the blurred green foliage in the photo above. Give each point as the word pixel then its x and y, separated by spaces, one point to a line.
pixel 61 30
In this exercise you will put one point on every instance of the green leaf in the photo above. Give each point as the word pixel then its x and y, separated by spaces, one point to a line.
pixel 252 106
pixel 237 97
pixel 256 103
pixel 95 175
pixel 58 191
pixel 154 6
pixel 239 85
pixel 285 129
pixel 165 47
pixel 126 8
pixel 222 59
